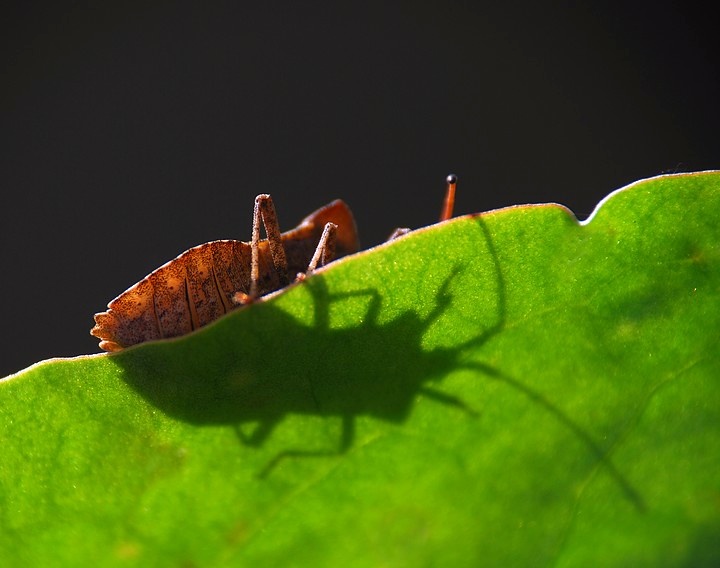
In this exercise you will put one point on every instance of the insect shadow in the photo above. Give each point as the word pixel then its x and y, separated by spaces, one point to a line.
pixel 267 365
pixel 284 367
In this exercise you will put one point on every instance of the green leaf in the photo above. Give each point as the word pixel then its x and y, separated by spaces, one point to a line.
pixel 512 388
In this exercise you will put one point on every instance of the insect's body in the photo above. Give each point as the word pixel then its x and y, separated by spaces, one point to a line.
pixel 204 282
pixel 209 280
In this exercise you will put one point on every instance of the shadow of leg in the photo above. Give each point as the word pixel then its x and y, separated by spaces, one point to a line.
pixel 346 439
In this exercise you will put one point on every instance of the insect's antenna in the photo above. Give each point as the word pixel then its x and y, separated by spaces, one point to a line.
pixel 449 203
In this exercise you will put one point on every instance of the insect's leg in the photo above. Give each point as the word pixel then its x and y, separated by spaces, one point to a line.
pixel 449 202
pixel 255 252
pixel 265 211
pixel 325 251
pixel 398 233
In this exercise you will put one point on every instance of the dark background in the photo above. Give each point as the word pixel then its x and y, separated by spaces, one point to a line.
pixel 129 133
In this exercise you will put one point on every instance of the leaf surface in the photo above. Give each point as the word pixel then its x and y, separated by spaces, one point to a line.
pixel 511 388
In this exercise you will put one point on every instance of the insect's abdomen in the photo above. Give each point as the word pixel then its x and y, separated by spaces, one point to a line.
pixel 180 296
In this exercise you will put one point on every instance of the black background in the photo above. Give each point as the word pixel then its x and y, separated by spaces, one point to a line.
pixel 130 132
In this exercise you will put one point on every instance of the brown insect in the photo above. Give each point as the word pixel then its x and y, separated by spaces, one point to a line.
pixel 211 279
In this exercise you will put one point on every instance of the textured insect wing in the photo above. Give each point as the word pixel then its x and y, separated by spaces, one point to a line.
pixel 204 296
pixel 231 261
pixel 170 305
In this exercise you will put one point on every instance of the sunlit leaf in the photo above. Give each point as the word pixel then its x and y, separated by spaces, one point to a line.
pixel 512 388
